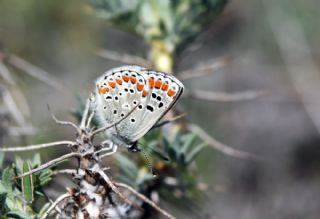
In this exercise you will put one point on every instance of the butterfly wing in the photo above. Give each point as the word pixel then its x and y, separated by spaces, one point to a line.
pixel 162 92
pixel 120 90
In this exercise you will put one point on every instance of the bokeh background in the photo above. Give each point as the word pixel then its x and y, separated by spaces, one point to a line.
pixel 272 46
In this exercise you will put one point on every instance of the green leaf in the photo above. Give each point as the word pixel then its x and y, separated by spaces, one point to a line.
pixel 3 196
pixel 27 183
pixel 18 215
pixel 1 159
pixel 7 179
pixel 36 160
pixel 19 164
pixel 188 141
pixel 193 153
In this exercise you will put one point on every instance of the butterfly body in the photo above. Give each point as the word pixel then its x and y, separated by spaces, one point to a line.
pixel 138 97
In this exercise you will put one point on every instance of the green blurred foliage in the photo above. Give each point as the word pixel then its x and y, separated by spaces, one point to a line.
pixel 173 23
pixel 18 197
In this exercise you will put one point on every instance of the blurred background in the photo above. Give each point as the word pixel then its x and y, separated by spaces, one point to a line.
pixel 58 48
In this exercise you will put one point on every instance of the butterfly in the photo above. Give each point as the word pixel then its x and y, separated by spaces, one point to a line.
pixel 135 96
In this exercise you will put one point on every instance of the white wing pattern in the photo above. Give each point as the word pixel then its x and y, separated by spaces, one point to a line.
pixel 119 90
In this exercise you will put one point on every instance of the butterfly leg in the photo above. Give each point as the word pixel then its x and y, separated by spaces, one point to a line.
pixel 107 145
pixel 114 150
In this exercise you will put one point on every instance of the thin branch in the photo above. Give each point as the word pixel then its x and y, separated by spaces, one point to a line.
pixel 5 74
pixel 68 123
pixel 50 163
pixel 85 115
pixel 34 71
pixel 220 146
pixel 37 146
pixel 124 58
pixel 145 199
pixel 116 190
pixel 13 108
pixel 113 124
pixel 57 207
pixel 18 131
pixel 224 97
pixel 54 204
pixel 205 69
pixel 65 171
pixel 90 119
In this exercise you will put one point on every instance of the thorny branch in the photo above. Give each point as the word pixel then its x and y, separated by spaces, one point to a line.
pixel 84 141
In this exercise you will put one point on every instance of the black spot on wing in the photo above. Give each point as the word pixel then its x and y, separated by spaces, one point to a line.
pixel 150 108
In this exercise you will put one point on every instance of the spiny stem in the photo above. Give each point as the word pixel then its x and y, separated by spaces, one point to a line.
pixel 37 146
pixel 145 199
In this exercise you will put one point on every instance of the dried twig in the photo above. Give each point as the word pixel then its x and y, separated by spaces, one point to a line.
pixel 13 108
pixel 5 74
pixel 68 123
pixel 205 69
pixel 25 130
pixel 224 97
pixel 34 71
pixel 90 119
pixel 54 204
pixel 145 199
pixel 85 115
pixel 116 190
pixel 220 146
pixel 50 163
pixel 37 146
pixel 124 58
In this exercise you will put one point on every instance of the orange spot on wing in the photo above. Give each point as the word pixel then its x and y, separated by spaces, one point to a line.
pixel 144 93
pixel 133 80
pixel 103 90
pixel 171 93
pixel 112 84
pixel 151 82
pixel 158 84
pixel 125 78
pixel 165 86
pixel 139 87
pixel 119 81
